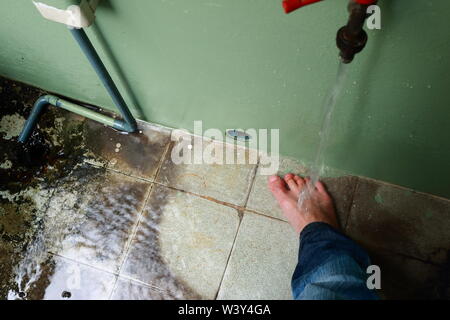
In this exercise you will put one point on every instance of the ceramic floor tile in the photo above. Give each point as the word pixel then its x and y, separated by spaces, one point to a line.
pixel 225 182
pixel 407 278
pixel 341 189
pixel 137 154
pixel 182 244
pixel 92 214
pixel 56 278
pixel 401 221
pixel 70 280
pixel 262 261
pixel 131 290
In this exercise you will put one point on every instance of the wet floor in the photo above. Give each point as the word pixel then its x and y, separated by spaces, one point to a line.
pixel 89 213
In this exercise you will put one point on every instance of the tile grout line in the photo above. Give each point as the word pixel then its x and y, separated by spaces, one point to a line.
pixel 220 202
pixel 228 259
pixel 265 215
pixel 162 160
pixel 139 220
pixel 141 283
pixel 252 184
pixel 116 274
pixel 129 175
pixel 130 240
pixel 240 216
pixel 83 263
pixel 350 209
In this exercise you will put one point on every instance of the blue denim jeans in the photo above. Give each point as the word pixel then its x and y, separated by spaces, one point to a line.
pixel 330 266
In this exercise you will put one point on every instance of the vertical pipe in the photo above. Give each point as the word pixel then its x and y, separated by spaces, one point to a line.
pixel 358 15
pixel 89 50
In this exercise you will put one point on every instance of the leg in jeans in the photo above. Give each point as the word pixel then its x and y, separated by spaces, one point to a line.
pixel 331 266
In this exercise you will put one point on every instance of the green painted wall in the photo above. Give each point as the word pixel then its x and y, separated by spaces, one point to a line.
pixel 244 63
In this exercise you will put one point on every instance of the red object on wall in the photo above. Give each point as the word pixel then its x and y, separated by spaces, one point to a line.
pixel 292 5
pixel 366 2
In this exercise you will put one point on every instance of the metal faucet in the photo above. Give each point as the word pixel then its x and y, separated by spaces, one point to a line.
pixel 351 38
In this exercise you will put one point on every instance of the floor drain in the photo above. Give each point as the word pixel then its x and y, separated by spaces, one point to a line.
pixel 238 135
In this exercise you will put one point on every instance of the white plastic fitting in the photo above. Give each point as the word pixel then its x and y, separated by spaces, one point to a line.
pixel 75 16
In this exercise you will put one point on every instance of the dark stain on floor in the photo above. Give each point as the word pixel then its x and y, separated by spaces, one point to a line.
pixel 52 173
pixel 30 170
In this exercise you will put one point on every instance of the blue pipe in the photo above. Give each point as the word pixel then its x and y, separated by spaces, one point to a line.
pixel 128 124
pixel 36 112
pixel 43 101
pixel 89 50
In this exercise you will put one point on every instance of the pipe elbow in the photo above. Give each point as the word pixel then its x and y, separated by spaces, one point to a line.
pixel 36 112
pixel 47 99
pixel 130 128
pixel 122 125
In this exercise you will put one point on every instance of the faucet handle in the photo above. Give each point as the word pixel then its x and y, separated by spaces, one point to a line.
pixel 292 5
pixel 366 2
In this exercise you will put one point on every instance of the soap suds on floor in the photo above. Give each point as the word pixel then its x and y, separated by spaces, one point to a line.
pixel 11 125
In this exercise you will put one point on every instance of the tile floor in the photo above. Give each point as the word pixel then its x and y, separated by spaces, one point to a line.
pixel 94 214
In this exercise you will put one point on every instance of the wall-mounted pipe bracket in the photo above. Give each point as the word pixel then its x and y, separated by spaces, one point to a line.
pixel 75 16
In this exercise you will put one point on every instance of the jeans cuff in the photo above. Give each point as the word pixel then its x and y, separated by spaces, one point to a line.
pixel 315 227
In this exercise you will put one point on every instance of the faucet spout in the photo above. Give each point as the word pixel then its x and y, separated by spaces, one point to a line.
pixel 352 38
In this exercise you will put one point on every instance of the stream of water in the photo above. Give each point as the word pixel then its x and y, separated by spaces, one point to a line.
pixel 328 109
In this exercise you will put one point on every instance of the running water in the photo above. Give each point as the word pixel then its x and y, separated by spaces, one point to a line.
pixel 29 270
pixel 329 106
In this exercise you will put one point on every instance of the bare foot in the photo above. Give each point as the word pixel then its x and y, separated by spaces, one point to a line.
pixel 317 206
